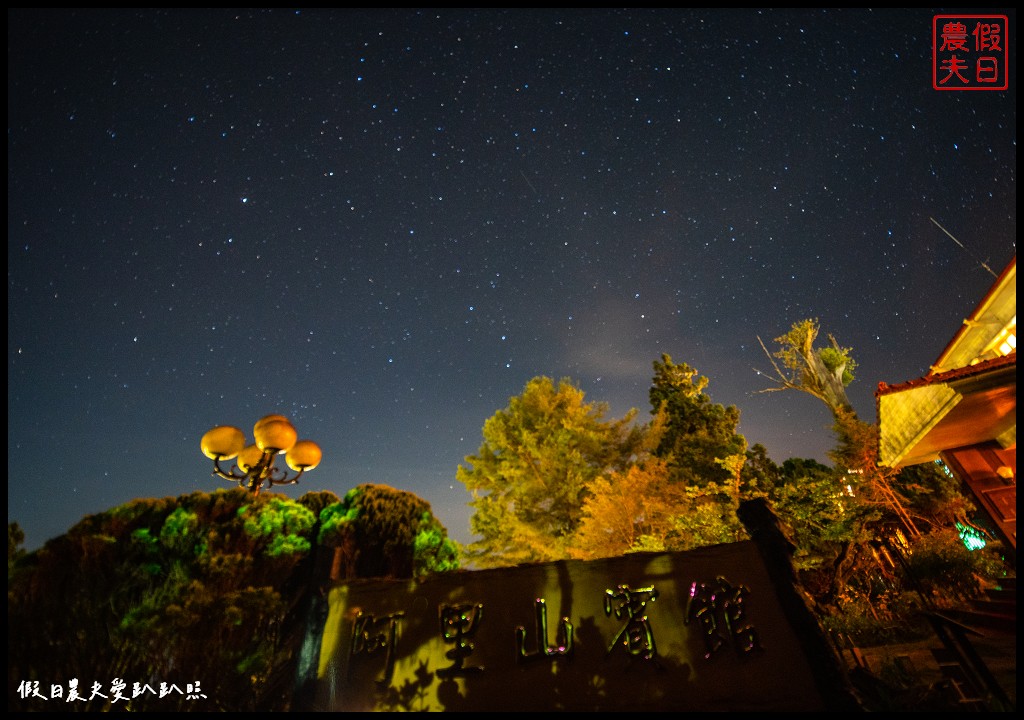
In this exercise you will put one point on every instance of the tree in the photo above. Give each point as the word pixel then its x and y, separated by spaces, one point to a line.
pixel 706 456
pixel 629 510
pixel 535 468
pixel 176 590
pixel 814 502
pixel 684 491
pixel 934 495
pixel 824 372
pixel 15 539
pixel 699 435
pixel 707 516
pixel 857 452
pixel 838 516
pixel 207 588
pixel 760 471
pixel 383 532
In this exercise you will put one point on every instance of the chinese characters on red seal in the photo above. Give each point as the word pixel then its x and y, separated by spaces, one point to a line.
pixel 969 52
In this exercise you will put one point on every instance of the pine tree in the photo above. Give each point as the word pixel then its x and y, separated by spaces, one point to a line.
pixel 699 435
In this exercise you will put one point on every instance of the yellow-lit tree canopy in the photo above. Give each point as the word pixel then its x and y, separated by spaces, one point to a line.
pixel 823 372
pixel 555 479
pixel 538 460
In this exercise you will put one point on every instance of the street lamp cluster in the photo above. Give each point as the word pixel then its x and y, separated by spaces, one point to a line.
pixel 254 465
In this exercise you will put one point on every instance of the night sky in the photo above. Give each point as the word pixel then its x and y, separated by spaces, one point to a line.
pixel 383 223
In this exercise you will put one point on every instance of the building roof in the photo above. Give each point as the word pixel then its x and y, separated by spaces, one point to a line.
pixel 970 394
pixel 992 324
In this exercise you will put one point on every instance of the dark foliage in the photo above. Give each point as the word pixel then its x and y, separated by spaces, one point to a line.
pixel 207 593
pixel 383 532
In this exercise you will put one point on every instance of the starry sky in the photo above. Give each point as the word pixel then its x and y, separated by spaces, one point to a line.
pixel 383 223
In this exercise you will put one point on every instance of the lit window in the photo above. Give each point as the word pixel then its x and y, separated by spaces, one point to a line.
pixel 1008 346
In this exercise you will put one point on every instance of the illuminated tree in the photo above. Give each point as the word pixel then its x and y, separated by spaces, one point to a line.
pixel 815 503
pixel 629 510
pixel 857 453
pixel 685 492
pixel 838 515
pixel 535 468
pixel 823 372
pixel 706 457
pixel 209 587
pixel 197 588
pixel 707 516
pixel 643 509
pixel 383 532
pixel 699 435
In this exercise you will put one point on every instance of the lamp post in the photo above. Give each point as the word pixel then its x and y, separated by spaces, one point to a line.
pixel 254 464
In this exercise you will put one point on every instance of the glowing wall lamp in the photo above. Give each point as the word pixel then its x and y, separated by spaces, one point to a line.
pixel 254 466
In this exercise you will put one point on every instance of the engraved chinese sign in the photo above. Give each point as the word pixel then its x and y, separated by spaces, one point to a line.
pixel 695 631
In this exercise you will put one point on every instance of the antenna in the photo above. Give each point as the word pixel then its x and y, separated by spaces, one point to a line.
pixel 960 244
